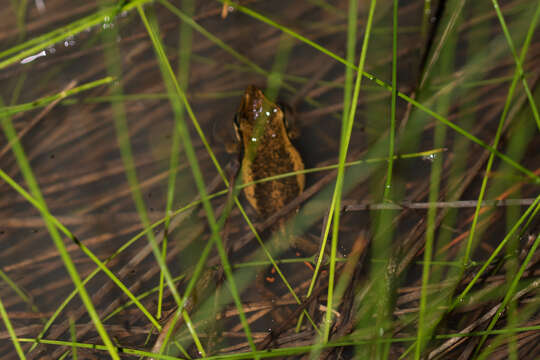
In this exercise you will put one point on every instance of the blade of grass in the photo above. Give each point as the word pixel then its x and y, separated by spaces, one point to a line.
pixel 227 48
pixel 533 208
pixel 41 102
pixel 352 20
pixel 188 20
pixel 102 266
pixel 39 43
pixel 183 75
pixel 73 334
pixel 193 161
pixel 112 58
pixel 31 181
pixel 455 15
pixel 509 293
pixel 388 87
pixel 20 292
pixel 288 351
pixel 69 234
pixel 197 27
pixel 190 206
pixel 519 60
pixel 275 78
pixel 144 232
pixel 393 101
pixel 518 74
pixel 344 145
pixel 11 331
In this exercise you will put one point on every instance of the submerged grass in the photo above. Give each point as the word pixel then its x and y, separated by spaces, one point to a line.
pixel 404 276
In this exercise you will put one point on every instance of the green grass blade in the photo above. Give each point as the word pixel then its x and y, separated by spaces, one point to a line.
pixel 11 331
pixel 510 292
pixel 392 135
pixel 83 247
pixel 344 145
pixel 192 158
pixel 533 208
pixel 41 102
pixel 517 60
pixel 517 75
pixel 388 87
pixel 35 45
pixel 183 75
pixel 73 334
pixel 122 132
pixel 20 292
pixel 70 266
pixel 197 27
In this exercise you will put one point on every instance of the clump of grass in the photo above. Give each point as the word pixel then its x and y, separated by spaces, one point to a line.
pixel 426 251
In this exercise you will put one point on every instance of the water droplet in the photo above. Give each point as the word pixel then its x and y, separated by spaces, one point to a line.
pixel 254 139
pixel 275 110
pixel 70 41
pixel 107 23
pixel 40 5
pixel 430 157
pixel 267 113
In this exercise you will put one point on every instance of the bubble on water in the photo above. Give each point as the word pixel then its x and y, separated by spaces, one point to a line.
pixel 430 157
pixel 69 41
pixel 107 23
pixel 40 5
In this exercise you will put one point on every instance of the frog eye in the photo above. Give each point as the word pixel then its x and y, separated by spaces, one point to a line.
pixel 285 110
pixel 286 121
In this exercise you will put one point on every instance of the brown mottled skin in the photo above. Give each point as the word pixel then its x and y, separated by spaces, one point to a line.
pixel 266 151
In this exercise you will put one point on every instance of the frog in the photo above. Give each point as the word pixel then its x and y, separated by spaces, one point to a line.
pixel 264 137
